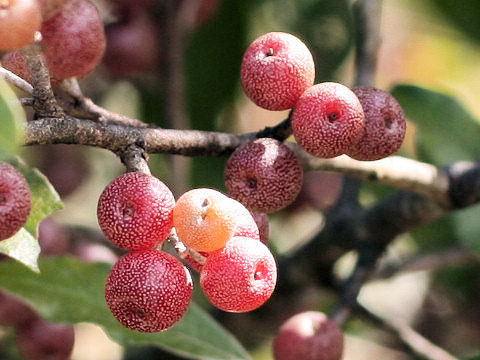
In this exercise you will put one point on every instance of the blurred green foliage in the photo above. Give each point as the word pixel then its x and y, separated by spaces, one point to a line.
pixel 463 14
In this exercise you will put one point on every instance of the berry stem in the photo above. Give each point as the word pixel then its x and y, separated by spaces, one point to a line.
pixel 16 80
pixel 184 251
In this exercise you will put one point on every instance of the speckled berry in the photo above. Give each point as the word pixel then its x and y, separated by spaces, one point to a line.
pixel 204 219
pixel 78 20
pixel 240 277
pixel 148 291
pixel 328 120
pixel 135 211
pixel 385 125
pixel 246 225
pixel 276 69
pixel 308 336
pixel 13 61
pixel 15 200
pixel 264 175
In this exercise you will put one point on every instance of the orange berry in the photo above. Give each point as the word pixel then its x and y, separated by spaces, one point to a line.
pixel 204 219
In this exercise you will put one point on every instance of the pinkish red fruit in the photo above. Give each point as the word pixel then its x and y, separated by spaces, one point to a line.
pixel 148 291
pixel 13 61
pixel 385 125
pixel 240 277
pixel 14 312
pixel 53 238
pixel 73 40
pixel 42 340
pixel 308 336
pixel 328 120
pixel 276 69
pixel 132 46
pixel 135 211
pixel 15 200
pixel 264 175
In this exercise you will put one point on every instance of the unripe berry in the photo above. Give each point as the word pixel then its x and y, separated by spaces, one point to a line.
pixel 264 175
pixel 42 340
pixel 73 40
pixel 276 69
pixel 328 120
pixel 385 125
pixel 240 277
pixel 148 291
pixel 19 19
pixel 308 336
pixel 135 211
pixel 15 200
pixel 204 219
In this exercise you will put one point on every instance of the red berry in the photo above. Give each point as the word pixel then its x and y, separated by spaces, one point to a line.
pixel 135 211
pixel 264 175
pixel 245 223
pixel 148 291
pixel 328 120
pixel 15 200
pixel 13 61
pixel 276 69
pixel 132 47
pixel 320 190
pixel 308 336
pixel 19 19
pixel 240 277
pixel 73 40
pixel 42 340
pixel 53 239
pixel 263 225
pixel 385 125
pixel 14 312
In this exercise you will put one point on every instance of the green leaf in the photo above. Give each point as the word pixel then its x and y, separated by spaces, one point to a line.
pixel 12 118
pixel 70 291
pixel 45 200
pixel 464 14
pixel 22 247
pixel 446 132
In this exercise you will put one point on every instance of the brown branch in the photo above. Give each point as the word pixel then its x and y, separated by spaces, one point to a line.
pixel 424 179
pixel 367 16
pixel 419 345
pixel 45 104
pixel 183 251
pixel 431 262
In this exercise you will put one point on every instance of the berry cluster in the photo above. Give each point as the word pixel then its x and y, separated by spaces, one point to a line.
pixel 328 118
pixel 15 201
pixel 149 290
pixel 59 21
